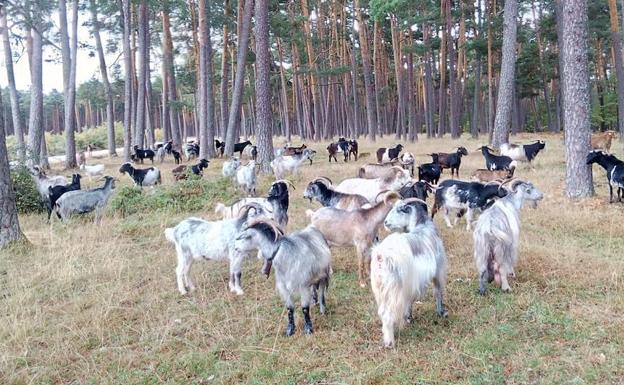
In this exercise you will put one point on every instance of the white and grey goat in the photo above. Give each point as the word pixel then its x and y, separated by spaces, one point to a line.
pixel 85 201
pixel 370 188
pixel 497 234
pixel 301 260
pixel 246 177
pixel 289 164
pixel 405 263
pixel 230 166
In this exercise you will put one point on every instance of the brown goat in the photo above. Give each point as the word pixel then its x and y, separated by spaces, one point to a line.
pixel 484 175
pixel 294 150
pixel 377 170
pixel 602 140
pixel 357 228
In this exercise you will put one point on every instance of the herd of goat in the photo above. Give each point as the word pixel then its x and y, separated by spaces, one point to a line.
pixel 391 193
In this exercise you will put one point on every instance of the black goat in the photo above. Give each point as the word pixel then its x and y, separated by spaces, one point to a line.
pixel 343 144
pixel 191 150
pixel 219 147
pixel 332 150
pixel 452 160
pixel 430 172
pixel 614 168
pixel 140 154
pixel 55 192
pixel 176 156
pixel 319 189
pixel 353 149
pixel 278 198
pixel 471 196
pixel 239 147
pixel 497 162
pixel 388 154
pixel 526 152
pixel 418 190
pixel 142 177
pixel 197 169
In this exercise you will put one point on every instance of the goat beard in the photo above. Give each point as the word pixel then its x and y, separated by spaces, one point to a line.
pixel 266 267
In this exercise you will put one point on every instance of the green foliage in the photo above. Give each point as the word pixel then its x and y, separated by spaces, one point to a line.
pixel 193 194
pixel 26 194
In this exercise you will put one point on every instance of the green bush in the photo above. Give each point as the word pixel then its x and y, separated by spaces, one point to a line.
pixel 193 194
pixel 26 195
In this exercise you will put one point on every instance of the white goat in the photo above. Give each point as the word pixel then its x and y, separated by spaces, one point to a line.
pixel 85 201
pixel 246 177
pixel 302 264
pixel 404 263
pixel 230 166
pixel 91 171
pixel 197 239
pixel 44 182
pixel 370 188
pixel 289 164
pixel 496 235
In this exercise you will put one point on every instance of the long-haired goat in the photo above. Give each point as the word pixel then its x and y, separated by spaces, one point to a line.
pixel 404 264
pixel 497 234
pixel 246 177
pixel 357 228
pixel 197 239
pixel 289 164
pixel 44 182
pixel 301 260
pixel 321 190
pixel 370 188
pixel 230 166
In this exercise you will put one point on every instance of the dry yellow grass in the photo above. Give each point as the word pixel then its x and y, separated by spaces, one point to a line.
pixel 99 305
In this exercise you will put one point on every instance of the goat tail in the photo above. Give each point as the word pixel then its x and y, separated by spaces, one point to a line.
pixel 388 288
pixel 170 234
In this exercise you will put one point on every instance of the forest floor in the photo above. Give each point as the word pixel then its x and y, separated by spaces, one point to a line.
pixel 99 305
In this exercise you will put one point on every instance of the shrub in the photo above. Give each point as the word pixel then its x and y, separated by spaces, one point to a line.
pixel 193 194
pixel 26 195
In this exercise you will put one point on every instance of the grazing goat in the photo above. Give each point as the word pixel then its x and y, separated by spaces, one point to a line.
pixel 82 202
pixel 497 234
pixel 197 239
pixel 230 166
pixel 332 150
pixel 141 154
pixel 614 168
pixel 404 264
pixel 197 169
pixel 430 172
pixel 320 189
pixel 471 196
pixel 219 147
pixel 602 140
pixel 239 147
pixel 407 161
pixel 55 192
pixel 388 154
pixel 526 152
pixel 377 170
pixel 483 175
pixel 370 188
pixel 246 177
pixel 357 228
pixel 285 165
pixel 91 171
pixel 496 162
pixel 141 177
pixel 452 160
pixel 302 264
pixel 353 149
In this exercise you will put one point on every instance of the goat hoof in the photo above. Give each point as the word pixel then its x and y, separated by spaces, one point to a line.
pixel 443 314
pixel 183 292
pixel 290 330
pixel 307 330
pixel 482 292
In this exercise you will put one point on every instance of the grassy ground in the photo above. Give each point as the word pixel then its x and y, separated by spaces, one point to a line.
pixel 98 305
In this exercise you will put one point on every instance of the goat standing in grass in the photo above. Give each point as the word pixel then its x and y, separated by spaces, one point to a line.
pixel 497 234
pixel 614 168
pixel 301 261
pixel 82 202
pixel 405 263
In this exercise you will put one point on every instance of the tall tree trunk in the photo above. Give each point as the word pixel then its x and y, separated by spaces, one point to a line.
pixel 491 9
pixel 206 93
pixel 398 70
pixel 263 87
pixel 576 101
pixel 9 223
pixel 69 55
pixel 127 52
pixel 280 53
pixel 35 122
pixel 316 99
pixel 18 125
pixel 442 118
pixel 453 77
pixel 429 105
pixel 476 99
pixel 369 82
pixel 224 69
pixel 506 86
pixel 538 36
pixel 616 41
pixel 139 127
pixel 172 95
pixel 239 81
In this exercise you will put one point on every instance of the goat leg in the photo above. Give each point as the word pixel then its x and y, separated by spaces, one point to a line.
pixel 483 282
pixel 290 329
pixel 307 322
pixel 322 288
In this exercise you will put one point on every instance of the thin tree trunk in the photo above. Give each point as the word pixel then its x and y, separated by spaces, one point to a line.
pixel 263 87
pixel 538 35
pixel 172 96
pixel 429 106
pixel 35 122
pixel 491 10
pixel 369 81
pixel 442 118
pixel 224 69
pixel 206 93
pixel 139 127
pixel 616 41
pixel 69 55
pixel 127 52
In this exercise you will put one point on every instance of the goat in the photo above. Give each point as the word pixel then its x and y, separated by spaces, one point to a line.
pixel 483 175
pixel 89 148
pixel 55 192
pixel 82 202
pixel 290 150
pixel 197 169
pixel 496 162
pixel 614 168
pixel 301 260
pixel 403 265
pixel 229 167
pixel 219 147
pixel 332 150
pixel 430 172
pixel 239 147
pixel 452 160
pixel 526 152
pixel 320 189
pixel 370 188
pixel 177 158
pixel 246 177
pixel 43 182
pixel 191 150
pixel 81 158
pixel 471 196
pixel 407 161
pixel 141 154
pixel 388 154
pixel 250 152
pixel 141 177
pixel 353 149
pixel 197 239
pixel 285 165
pixel 418 190
pixel 91 171
pixel 377 170
pixel 497 234
pixel 353 228
pixel 602 140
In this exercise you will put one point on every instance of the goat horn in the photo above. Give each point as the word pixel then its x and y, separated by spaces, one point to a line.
pixel 248 206
pixel 410 200
pixel 285 181
pixel 278 231
pixel 380 193
pixel 515 184
pixel 323 178
pixel 390 195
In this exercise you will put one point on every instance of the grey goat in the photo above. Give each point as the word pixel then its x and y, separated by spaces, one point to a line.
pixel 85 201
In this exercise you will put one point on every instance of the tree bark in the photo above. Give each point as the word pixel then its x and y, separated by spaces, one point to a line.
pixel 206 93
pixel 506 86
pixel 429 106
pixel 616 41
pixel 172 96
pixel 263 87
pixel 369 82
pixel 224 69
pixel 35 122
pixel 69 55
pixel 143 25
pixel 127 52
pixel 576 100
